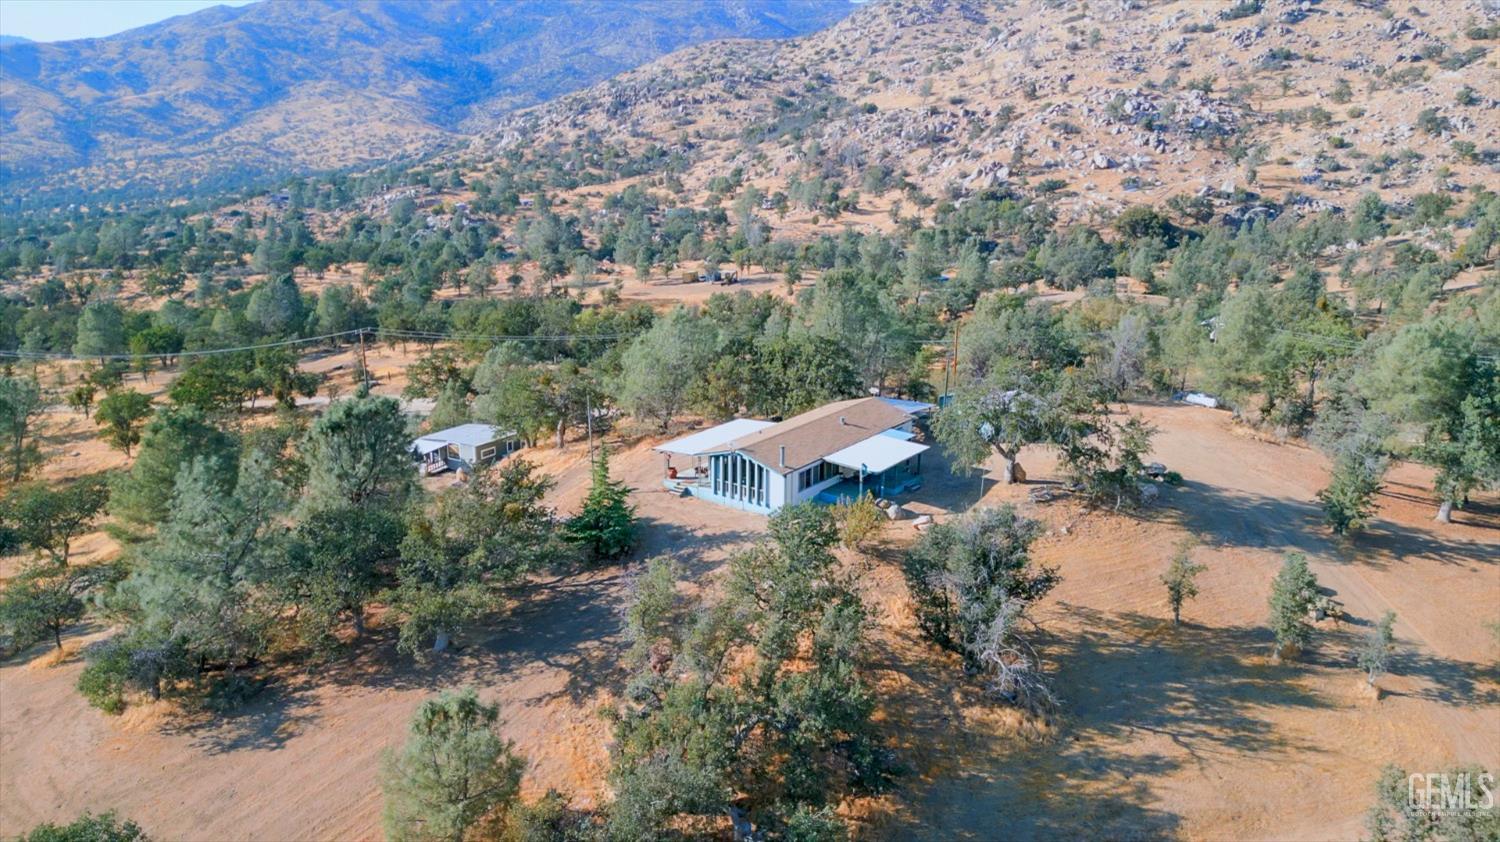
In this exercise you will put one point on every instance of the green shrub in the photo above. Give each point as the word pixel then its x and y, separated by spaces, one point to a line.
pixel 105 827
pixel 103 680
pixel 1242 9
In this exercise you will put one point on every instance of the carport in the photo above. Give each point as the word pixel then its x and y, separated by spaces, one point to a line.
pixel 887 463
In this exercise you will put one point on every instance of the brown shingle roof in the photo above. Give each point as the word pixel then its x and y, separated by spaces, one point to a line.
pixel 816 433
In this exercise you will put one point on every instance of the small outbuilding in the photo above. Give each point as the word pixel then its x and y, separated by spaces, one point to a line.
pixel 465 447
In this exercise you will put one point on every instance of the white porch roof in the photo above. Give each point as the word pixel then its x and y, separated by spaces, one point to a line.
pixel 426 446
pixel 713 439
pixel 875 454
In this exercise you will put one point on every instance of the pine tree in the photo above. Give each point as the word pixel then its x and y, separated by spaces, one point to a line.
pixel 1348 501
pixel 453 770
pixel 1179 579
pixel 1292 595
pixel 605 527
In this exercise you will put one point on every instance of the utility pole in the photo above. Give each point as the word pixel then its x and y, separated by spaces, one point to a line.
pixel 588 418
pixel 952 361
pixel 364 365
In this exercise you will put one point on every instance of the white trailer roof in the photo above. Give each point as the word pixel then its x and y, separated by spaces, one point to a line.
pixel 875 454
pixel 714 438
pixel 469 435
pixel 910 407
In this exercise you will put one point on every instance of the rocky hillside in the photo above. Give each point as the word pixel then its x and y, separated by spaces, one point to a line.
pixel 229 94
pixel 1101 104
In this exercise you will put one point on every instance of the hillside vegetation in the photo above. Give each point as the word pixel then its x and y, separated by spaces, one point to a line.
pixel 1104 104
pixel 226 95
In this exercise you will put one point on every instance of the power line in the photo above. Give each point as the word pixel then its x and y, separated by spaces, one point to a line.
pixel 430 335
pixel 493 337
pixel 203 352
pixel 309 340
pixel 563 337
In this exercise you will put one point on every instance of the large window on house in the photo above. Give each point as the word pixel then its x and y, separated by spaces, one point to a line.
pixel 809 477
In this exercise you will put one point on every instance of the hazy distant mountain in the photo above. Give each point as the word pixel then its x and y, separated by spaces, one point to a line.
pixel 229 93
pixel 7 40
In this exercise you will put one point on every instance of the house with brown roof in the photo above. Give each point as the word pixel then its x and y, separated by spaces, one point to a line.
pixel 838 450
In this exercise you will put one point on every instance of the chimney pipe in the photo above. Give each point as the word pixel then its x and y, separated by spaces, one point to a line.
pixel 843 420
pixel 783 456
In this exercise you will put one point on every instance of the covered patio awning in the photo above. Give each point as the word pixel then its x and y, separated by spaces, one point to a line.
pixel 713 439
pixel 875 454
pixel 426 446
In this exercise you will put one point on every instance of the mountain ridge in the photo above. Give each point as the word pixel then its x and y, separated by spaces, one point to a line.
pixel 1319 102
pixel 247 91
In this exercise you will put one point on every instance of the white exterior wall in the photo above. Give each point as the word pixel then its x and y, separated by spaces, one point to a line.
pixel 779 488
pixel 812 490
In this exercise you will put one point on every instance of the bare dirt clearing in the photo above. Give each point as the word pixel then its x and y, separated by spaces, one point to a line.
pixel 1164 732
pixel 1192 731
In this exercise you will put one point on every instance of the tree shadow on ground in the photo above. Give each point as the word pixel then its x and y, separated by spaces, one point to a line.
pixel 1381 543
pixel 1481 512
pixel 1273 523
pixel 1243 519
pixel 265 722
pixel 965 781
pixel 1451 682
pixel 572 625
pixel 1126 681
pixel 699 550
pixel 1200 686
pixel 1443 680
pixel 73 433
pixel 47 648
